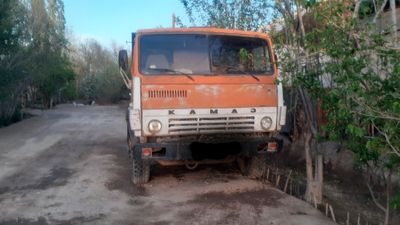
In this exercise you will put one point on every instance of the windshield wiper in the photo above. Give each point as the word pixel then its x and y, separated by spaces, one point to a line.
pixel 236 69
pixel 172 71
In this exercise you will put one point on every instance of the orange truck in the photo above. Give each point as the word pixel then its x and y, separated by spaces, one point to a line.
pixel 201 95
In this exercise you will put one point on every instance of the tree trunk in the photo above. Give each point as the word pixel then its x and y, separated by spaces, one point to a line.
pixel 301 24
pixel 314 183
pixel 319 178
pixel 388 193
pixel 379 11
pixel 357 9
pixel 394 21
pixel 51 103
pixel 314 179
pixel 309 167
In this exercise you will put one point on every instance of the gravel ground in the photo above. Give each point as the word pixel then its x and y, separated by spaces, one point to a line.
pixel 70 166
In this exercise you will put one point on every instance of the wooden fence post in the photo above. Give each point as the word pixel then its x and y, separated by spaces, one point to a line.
pixel 287 181
pixel 332 214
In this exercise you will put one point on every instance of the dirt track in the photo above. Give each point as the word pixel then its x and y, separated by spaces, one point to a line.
pixel 70 166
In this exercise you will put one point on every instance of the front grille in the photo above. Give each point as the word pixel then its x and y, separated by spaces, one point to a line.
pixel 167 93
pixel 195 125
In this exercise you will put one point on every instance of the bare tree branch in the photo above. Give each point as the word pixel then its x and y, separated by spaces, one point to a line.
pixel 380 206
pixel 357 9
pixel 394 21
pixel 387 138
pixel 379 113
pixel 377 14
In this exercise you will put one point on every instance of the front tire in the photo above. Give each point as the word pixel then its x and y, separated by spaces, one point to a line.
pixel 140 171
pixel 140 167
pixel 131 140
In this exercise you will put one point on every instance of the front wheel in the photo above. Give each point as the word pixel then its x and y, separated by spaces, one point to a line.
pixel 131 140
pixel 140 171
pixel 140 167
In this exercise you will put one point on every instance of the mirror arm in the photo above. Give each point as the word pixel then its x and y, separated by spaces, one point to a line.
pixel 125 78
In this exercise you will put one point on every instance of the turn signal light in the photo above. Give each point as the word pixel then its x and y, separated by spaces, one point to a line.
pixel 147 152
pixel 272 147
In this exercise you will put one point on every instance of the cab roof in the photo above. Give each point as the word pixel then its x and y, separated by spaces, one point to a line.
pixel 205 30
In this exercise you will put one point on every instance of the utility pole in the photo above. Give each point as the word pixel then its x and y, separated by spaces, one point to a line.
pixel 173 20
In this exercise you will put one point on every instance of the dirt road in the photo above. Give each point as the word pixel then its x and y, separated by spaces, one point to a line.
pixel 70 166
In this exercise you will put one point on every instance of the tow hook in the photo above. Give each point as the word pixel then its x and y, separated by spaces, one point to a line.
pixel 191 165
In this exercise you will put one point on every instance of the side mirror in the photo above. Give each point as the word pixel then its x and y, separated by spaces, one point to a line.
pixel 123 60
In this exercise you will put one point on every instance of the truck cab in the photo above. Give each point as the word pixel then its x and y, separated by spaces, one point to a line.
pixel 201 95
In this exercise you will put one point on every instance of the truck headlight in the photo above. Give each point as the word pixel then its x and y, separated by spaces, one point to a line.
pixel 266 123
pixel 154 126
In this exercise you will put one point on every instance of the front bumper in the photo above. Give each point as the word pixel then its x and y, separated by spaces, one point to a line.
pixel 188 150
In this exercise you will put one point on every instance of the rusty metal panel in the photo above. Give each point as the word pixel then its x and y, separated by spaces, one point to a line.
pixel 175 96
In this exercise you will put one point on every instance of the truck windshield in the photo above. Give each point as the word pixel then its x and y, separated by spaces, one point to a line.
pixel 204 54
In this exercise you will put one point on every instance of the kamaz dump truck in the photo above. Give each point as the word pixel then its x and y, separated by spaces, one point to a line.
pixel 201 95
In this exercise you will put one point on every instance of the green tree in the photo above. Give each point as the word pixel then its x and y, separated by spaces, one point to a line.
pixel 97 72
pixel 13 75
pixel 57 39
pixel 33 62
pixel 234 14
pixel 353 72
pixel 51 69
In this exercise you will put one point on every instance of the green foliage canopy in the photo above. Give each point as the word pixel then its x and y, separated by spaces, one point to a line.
pixel 234 14
pixel 33 62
